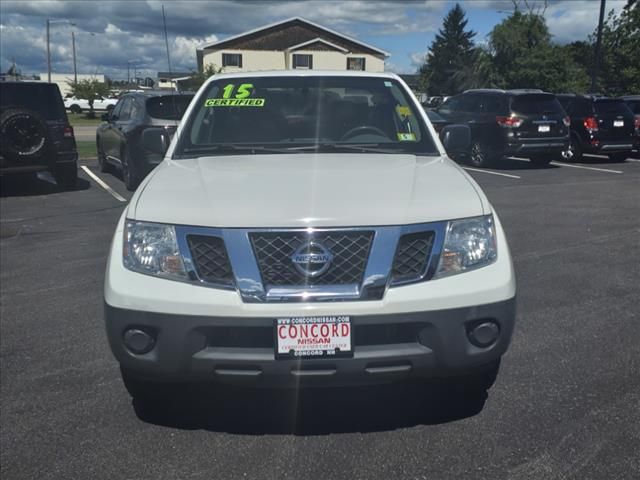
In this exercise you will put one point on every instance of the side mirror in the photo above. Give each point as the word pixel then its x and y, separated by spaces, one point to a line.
pixel 456 139
pixel 104 117
pixel 155 140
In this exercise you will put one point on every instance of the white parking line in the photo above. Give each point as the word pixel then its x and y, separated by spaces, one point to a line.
pixel 634 160
pixel 584 167
pixel 99 181
pixel 491 173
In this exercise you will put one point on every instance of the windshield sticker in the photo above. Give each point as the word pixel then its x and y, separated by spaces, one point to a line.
pixel 387 84
pixel 403 111
pixel 234 102
pixel 407 137
pixel 240 99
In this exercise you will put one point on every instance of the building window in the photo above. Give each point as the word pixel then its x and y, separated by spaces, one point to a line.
pixel 232 60
pixel 355 63
pixel 302 61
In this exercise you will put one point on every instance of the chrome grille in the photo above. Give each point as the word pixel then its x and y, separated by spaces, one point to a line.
pixel 412 257
pixel 274 250
pixel 210 259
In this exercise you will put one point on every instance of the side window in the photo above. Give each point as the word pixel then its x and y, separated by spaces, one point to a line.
pixel 232 60
pixel 300 60
pixel 581 107
pixel 452 105
pixel 135 109
pixel 471 103
pixel 125 112
pixel 566 104
pixel 117 109
pixel 493 104
pixel 356 63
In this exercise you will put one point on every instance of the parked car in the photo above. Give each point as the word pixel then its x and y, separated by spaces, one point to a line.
pixel 79 105
pixel 599 125
pixel 35 134
pixel 633 102
pixel 530 123
pixel 118 138
pixel 307 230
pixel 436 120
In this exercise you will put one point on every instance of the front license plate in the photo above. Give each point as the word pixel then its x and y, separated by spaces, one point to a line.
pixel 544 128
pixel 312 337
pixel 618 123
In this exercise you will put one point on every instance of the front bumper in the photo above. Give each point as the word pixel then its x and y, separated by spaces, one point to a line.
pixel 240 350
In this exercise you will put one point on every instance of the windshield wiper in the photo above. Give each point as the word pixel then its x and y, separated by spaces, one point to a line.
pixel 229 147
pixel 337 147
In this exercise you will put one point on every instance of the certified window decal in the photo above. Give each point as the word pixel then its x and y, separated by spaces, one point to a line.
pixel 234 102
pixel 240 99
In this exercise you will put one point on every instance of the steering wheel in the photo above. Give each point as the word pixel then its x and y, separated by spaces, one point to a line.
pixel 363 129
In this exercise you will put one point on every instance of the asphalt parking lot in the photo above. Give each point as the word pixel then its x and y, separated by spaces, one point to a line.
pixel 566 404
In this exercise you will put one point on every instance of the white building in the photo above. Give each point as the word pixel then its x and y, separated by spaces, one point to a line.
pixel 291 44
pixel 64 79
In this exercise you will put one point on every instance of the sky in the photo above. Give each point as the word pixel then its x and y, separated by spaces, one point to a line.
pixel 113 34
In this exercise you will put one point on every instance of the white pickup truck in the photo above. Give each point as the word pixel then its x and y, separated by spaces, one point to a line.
pixel 307 228
pixel 79 105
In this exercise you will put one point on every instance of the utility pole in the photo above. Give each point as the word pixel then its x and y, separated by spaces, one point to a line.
pixel 75 68
pixel 596 63
pixel 48 54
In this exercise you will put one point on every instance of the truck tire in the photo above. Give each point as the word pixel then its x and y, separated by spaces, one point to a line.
pixel 24 134
pixel 480 155
pixel 129 171
pixel 574 152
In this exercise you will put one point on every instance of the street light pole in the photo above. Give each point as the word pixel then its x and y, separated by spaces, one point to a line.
pixel 49 22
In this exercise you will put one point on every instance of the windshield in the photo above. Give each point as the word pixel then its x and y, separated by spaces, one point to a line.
pixel 293 114
pixel 536 104
pixel 170 107
pixel 610 106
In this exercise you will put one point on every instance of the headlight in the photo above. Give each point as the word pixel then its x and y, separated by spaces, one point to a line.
pixel 152 248
pixel 468 244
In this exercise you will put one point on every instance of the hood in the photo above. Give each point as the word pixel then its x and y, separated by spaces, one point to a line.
pixel 303 190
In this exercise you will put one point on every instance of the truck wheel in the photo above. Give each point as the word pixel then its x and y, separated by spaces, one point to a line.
pixel 66 175
pixel 480 155
pixel 129 171
pixel 619 157
pixel 574 152
pixel 102 159
pixel 23 133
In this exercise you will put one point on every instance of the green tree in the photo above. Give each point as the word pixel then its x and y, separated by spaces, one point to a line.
pixel 619 71
pixel 90 90
pixel 523 56
pixel 198 78
pixel 446 71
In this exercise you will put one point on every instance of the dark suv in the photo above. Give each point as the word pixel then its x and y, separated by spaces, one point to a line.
pixel 35 134
pixel 598 125
pixel 510 122
pixel 118 138
pixel 633 102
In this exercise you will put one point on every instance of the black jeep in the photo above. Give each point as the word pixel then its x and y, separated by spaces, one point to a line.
pixel 35 134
